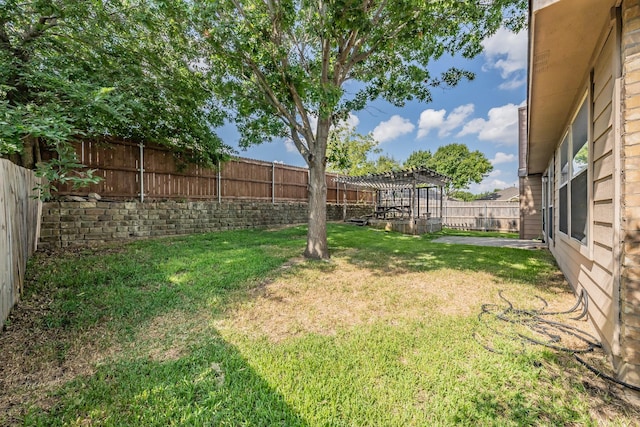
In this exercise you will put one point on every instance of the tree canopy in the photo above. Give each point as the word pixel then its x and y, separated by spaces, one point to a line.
pixel 348 151
pixel 456 162
pixel 282 66
pixel 385 163
pixel 418 159
pixel 86 69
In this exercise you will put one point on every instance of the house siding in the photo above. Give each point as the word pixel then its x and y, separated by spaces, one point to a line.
pixel 629 368
pixel 592 266
pixel 531 207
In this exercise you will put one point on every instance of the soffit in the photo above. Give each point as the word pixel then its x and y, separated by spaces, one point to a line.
pixel 563 37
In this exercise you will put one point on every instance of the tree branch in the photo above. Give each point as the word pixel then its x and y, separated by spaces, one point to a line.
pixel 5 42
pixel 37 30
pixel 359 57
pixel 303 149
pixel 273 99
pixel 277 38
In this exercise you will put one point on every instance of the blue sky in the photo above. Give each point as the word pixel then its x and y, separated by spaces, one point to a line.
pixel 483 114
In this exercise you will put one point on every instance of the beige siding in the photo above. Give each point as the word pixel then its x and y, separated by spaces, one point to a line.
pixel 590 267
pixel 603 145
pixel 603 189
pixel 531 207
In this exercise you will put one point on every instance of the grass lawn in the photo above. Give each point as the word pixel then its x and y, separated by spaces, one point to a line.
pixel 232 328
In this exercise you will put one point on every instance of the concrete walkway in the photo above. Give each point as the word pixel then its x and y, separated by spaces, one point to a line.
pixel 491 241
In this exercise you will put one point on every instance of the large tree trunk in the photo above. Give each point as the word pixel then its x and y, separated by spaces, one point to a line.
pixel 317 247
pixel 27 156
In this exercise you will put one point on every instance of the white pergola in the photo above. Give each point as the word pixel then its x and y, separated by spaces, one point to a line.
pixel 411 179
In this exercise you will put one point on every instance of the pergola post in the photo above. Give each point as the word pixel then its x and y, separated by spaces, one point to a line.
pixel 441 202
pixel 413 208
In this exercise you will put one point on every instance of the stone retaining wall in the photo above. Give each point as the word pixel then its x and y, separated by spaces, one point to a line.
pixel 91 222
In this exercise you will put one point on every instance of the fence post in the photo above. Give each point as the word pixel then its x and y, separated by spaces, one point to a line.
pixel 441 206
pixel 141 172
pixel 219 179
pixel 273 183
pixel 344 199
pixel 486 219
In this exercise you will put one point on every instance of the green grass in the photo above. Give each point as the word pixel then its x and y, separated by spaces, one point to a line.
pixel 158 305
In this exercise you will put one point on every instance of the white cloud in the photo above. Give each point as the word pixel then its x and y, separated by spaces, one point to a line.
pixel 507 52
pixel 393 128
pixel 290 146
pixel 514 83
pixel 430 119
pixel 501 125
pixel 435 119
pixel 313 122
pixel 489 184
pixel 353 120
pixel 501 157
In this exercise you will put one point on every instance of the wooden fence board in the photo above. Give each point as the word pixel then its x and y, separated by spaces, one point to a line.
pixel 19 230
pixel 166 177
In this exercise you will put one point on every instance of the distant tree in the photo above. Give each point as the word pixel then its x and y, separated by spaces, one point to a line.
pixel 348 151
pixel 456 162
pixel 460 164
pixel 465 196
pixel 85 69
pixel 385 164
pixel 282 66
pixel 418 159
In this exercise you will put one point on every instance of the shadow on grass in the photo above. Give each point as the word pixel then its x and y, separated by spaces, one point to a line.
pixel 117 296
pixel 391 253
pixel 212 385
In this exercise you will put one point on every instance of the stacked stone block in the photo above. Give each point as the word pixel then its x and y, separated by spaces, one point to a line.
pixel 85 223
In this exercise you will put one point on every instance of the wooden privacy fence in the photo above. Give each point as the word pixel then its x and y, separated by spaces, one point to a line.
pixel 127 168
pixel 19 229
pixel 482 215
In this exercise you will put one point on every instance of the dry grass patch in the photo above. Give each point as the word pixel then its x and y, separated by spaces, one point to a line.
pixel 323 298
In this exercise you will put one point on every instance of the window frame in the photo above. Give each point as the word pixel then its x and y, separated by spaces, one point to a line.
pixel 548 198
pixel 571 179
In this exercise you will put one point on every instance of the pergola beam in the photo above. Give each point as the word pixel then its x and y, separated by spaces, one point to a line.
pixel 409 178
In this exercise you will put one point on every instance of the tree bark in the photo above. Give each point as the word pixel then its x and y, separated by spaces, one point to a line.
pixel 27 157
pixel 317 247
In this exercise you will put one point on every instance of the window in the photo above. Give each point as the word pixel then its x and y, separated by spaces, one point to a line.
pixel 549 200
pixel 545 180
pixel 563 223
pixel 579 163
pixel 574 161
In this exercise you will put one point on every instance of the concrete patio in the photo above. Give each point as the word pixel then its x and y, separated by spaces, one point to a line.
pixel 492 241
